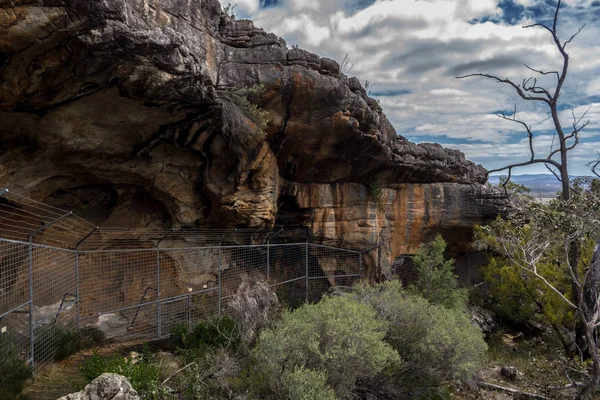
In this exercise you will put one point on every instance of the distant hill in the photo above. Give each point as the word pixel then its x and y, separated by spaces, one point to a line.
pixel 541 185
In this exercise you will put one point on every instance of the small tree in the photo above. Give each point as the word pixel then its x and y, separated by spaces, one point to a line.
pixel 536 239
pixel 436 279
pixel 339 337
pixel 436 344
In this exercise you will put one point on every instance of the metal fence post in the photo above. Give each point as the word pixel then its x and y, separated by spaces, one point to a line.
pixel 77 312
pixel 31 319
pixel 188 304
pixel 269 253
pixel 77 305
pixel 219 280
pixel 268 260
pixel 360 267
pixel 31 322
pixel 158 305
pixel 306 251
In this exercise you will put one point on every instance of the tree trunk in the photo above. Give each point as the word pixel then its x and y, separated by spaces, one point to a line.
pixel 588 389
pixel 590 302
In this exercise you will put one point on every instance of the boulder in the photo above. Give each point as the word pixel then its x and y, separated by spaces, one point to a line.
pixel 106 387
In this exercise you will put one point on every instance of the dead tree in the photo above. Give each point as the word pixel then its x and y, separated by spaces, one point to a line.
pixel 557 159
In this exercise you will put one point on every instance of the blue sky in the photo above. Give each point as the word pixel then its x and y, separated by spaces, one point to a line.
pixel 412 50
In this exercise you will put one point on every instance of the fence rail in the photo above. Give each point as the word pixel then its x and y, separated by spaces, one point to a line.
pixel 142 293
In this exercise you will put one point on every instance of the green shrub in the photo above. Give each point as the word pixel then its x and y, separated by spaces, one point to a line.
pixel 338 336
pixel 90 336
pixel 239 105
pixel 436 279
pixel 519 296
pixel 213 376
pixel 13 371
pixel 55 342
pixel 307 384
pixel 219 333
pixel 67 342
pixel 436 344
pixel 376 193
pixel 142 371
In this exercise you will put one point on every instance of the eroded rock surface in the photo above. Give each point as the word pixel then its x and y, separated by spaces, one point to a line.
pixel 129 113
pixel 106 387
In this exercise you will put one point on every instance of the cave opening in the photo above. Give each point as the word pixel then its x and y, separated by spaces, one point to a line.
pixel 4 57
pixel 289 212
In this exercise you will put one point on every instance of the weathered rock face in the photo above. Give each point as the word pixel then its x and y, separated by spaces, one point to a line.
pixel 129 113
pixel 399 219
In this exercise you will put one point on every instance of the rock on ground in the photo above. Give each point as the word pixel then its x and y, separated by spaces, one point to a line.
pixel 106 387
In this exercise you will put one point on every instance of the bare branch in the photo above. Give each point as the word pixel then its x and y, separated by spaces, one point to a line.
pixel 558 178
pixel 535 88
pixel 576 122
pixel 527 128
pixel 595 166
pixel 530 162
pixel 556 17
pixel 539 71
pixel 517 88
pixel 346 65
pixel 573 37
pixel 542 25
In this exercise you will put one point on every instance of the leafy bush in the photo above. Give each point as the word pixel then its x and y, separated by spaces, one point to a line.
pixel 212 376
pixel 239 107
pixel 339 336
pixel 220 332
pixel 13 370
pixel 307 384
pixel 55 342
pixel 436 344
pixel 436 279
pixel 140 369
pixel 376 193
pixel 252 306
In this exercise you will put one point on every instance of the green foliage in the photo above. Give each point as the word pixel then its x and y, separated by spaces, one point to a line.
pixel 246 98
pixel 436 344
pixel 339 336
pixel 218 333
pixel 55 342
pixel 436 279
pixel 213 376
pixel 532 277
pixel 512 187
pixel 141 370
pixel 14 373
pixel 307 384
pixel 515 292
pixel 376 192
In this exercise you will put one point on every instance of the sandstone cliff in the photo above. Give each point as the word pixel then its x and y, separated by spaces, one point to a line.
pixel 160 113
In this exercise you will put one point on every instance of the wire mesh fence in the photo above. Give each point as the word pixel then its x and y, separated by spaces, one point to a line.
pixel 468 269
pixel 60 274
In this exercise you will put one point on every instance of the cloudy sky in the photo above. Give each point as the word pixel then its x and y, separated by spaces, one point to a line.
pixel 412 50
